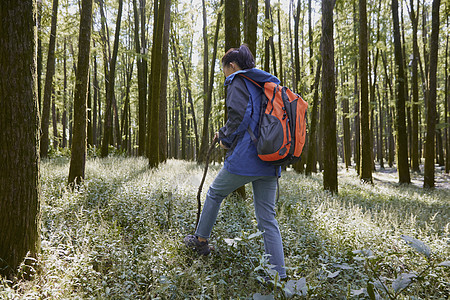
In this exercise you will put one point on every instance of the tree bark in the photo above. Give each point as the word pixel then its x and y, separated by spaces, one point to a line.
pixel 49 83
pixel 163 95
pixel 207 109
pixel 400 118
pixel 250 24
pixel 296 50
pixel 19 138
pixel 232 24
pixel 366 151
pixel 311 159
pixel 154 109
pixel 431 113
pixel 78 155
pixel 415 91
pixel 330 182
pixel 142 81
pixel 110 96
pixel 180 107
pixel 64 116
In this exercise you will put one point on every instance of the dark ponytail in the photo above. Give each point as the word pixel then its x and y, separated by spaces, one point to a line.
pixel 242 56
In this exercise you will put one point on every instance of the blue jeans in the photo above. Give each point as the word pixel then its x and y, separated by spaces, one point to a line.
pixel 264 192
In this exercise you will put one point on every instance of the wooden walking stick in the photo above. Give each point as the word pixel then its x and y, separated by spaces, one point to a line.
pixel 199 193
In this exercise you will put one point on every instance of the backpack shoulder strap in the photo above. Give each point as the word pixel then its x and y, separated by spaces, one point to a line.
pixel 246 77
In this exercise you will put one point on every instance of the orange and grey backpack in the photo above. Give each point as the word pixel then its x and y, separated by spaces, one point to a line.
pixel 282 124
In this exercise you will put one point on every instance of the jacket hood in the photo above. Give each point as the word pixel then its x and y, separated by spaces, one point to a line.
pixel 255 74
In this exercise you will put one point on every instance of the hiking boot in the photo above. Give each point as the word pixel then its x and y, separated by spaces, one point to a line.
pixel 202 248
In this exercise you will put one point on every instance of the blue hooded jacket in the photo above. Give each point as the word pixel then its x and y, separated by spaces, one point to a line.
pixel 244 107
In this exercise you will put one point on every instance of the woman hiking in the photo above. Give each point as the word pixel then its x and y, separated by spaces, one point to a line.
pixel 242 164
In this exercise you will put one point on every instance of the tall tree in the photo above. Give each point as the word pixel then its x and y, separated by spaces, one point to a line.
pixel 49 82
pixel 400 117
pixel 431 112
pixel 311 158
pixel 330 182
pixel 296 50
pixel 107 133
pixel 232 24
pixel 163 93
pixel 366 150
pixel 207 107
pixel 250 24
pixel 19 136
pixel 415 90
pixel 142 71
pixel 155 84
pixel 78 155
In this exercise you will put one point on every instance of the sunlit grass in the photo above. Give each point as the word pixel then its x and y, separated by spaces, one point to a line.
pixel 119 235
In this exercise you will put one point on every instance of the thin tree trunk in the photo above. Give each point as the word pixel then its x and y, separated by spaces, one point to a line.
pixel 329 99
pixel 163 95
pixel 267 38
pixel 400 119
pixel 64 116
pixel 207 109
pixel 431 113
pixel 155 83
pixel 110 96
pixel 296 50
pixel 54 121
pixel 180 108
pixel 78 154
pixel 250 23
pixel 415 91
pixel 280 38
pixel 311 160
pixel 49 82
pixel 94 109
pixel 19 139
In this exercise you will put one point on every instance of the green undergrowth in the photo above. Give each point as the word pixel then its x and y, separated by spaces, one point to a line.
pixel 119 236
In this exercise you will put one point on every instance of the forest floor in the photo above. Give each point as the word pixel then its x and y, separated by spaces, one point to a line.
pixel 119 236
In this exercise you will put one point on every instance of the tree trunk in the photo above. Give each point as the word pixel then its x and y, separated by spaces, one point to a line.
pixel 19 138
pixel 431 113
pixel 447 107
pixel 207 111
pixel 39 56
pixel 296 51
pixel 94 109
pixel 180 107
pixel 155 83
pixel 78 155
pixel 232 24
pixel 400 119
pixel 110 95
pixel 233 39
pixel 415 91
pixel 329 99
pixel 357 122
pixel 54 121
pixel 163 95
pixel 64 116
pixel 142 81
pixel 280 41
pixel 49 82
pixel 366 151
pixel 250 23
pixel 311 160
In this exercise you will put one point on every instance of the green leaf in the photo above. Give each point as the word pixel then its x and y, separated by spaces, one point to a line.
pixel 253 235
pixel 418 245
pixel 258 296
pixel 403 281
pixel 445 263
pixel 370 291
